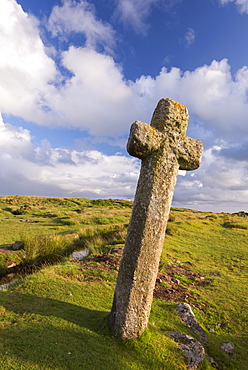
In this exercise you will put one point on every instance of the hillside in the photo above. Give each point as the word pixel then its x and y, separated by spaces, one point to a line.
pixel 56 316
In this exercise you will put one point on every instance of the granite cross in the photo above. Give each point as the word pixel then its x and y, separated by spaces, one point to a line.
pixel 164 149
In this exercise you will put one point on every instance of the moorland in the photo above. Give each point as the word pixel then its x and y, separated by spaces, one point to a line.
pixel 55 315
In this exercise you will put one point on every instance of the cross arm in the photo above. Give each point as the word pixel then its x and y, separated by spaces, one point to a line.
pixel 189 152
pixel 143 140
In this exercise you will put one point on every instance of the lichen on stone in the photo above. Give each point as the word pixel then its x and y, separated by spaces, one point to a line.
pixel 163 149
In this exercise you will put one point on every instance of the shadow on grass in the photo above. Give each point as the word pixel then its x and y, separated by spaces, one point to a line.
pixel 23 304
pixel 45 333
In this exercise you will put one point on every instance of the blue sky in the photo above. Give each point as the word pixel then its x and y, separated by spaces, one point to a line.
pixel 75 74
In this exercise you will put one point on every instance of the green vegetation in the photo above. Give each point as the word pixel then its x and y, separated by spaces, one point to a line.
pixel 57 317
pixel 51 228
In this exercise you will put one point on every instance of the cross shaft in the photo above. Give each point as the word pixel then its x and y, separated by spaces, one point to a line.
pixel 164 149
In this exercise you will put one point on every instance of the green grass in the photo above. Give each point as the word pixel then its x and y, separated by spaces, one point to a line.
pixel 64 325
pixel 204 240
pixel 57 318
pixel 42 216
pixel 48 226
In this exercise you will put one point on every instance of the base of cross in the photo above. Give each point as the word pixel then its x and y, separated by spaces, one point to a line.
pixel 164 149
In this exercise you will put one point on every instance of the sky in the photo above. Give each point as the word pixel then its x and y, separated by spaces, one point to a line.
pixel 75 74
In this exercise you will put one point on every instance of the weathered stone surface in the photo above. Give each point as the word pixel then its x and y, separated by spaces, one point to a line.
pixel 227 347
pixel 15 246
pixel 164 149
pixel 188 317
pixel 6 286
pixel 192 349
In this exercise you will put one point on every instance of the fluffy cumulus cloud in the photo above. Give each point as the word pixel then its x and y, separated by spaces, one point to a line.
pixel 26 72
pixel 219 183
pixel 35 170
pixel 213 96
pixel 79 17
pixel 96 97
pixel 98 86
pixel 41 169
pixel 241 4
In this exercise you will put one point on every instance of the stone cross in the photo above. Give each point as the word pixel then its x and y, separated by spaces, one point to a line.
pixel 164 149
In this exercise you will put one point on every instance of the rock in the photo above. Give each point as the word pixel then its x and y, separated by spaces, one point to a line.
pixel 192 349
pixel 212 362
pixel 80 255
pixel 176 281
pixel 117 250
pixel 189 319
pixel 227 347
pixel 6 286
pixel 15 246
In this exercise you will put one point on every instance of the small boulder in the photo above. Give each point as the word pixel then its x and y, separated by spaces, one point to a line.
pixel 18 244
pixel 191 348
pixel 228 348
pixel 189 319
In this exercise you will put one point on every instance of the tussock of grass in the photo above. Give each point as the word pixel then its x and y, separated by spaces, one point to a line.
pixel 45 247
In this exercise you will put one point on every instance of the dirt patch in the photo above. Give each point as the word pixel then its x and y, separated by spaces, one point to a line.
pixel 4 251
pixel 174 281
pixel 103 263
pixel 167 289
pixel 170 284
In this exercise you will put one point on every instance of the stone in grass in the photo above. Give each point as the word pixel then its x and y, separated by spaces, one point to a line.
pixel 228 348
pixel 188 317
pixel 17 245
pixel 191 348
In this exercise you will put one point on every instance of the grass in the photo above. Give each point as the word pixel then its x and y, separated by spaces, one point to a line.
pixel 64 325
pixel 42 216
pixel 52 228
pixel 204 240
pixel 57 318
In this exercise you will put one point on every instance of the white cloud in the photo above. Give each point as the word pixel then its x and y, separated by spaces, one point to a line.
pixel 99 99
pixel 79 17
pixel 25 69
pixel 241 4
pixel 96 98
pixel 15 142
pixel 218 185
pixel 135 12
pixel 213 96
pixel 190 36
pixel 43 170
pixel 26 169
